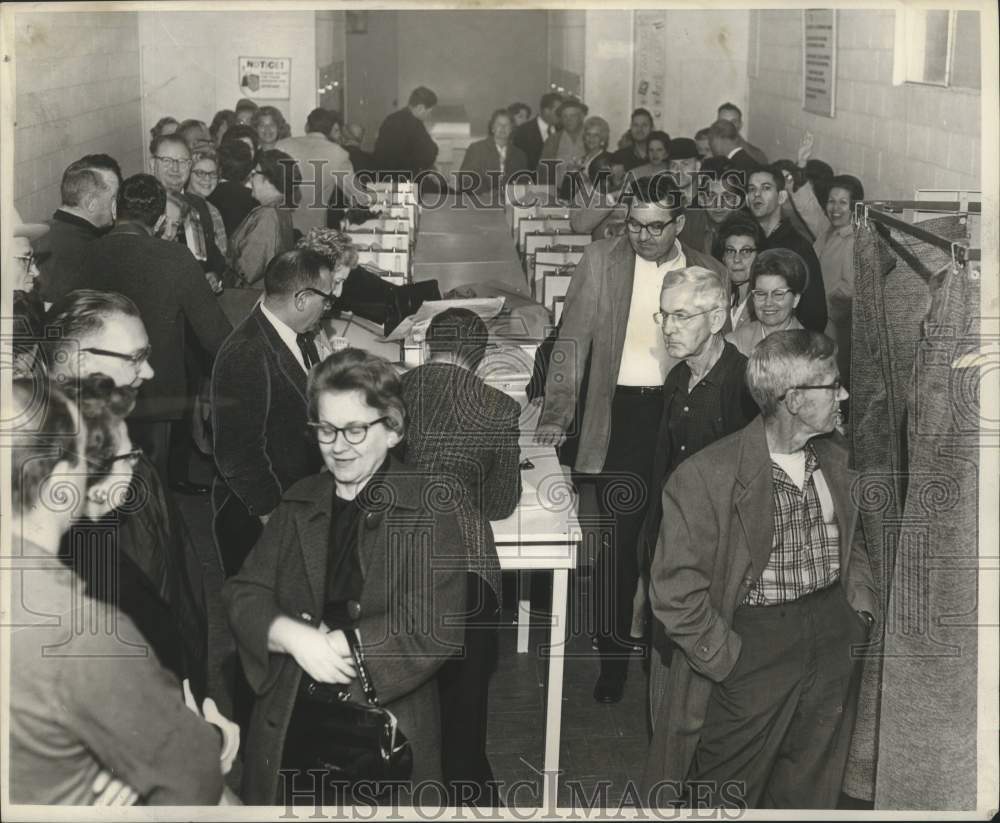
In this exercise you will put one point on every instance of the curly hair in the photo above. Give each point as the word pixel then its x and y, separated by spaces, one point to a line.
pixel 335 246
pixel 358 370
pixel 104 407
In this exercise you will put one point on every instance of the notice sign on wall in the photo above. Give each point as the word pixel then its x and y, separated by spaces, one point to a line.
pixel 266 78
pixel 819 60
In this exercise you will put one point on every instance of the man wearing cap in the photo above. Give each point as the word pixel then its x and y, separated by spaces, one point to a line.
pixel 565 146
pixel 88 191
pixel 684 166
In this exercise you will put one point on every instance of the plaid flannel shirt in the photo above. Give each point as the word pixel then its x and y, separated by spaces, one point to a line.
pixel 805 550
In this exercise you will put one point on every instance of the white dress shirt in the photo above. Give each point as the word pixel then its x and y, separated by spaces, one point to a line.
pixel 644 358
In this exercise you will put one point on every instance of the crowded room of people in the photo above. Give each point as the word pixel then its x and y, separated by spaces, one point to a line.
pixel 499 411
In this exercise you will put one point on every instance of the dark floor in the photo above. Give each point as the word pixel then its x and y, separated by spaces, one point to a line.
pixel 599 742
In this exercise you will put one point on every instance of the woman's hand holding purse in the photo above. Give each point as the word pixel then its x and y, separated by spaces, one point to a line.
pixel 324 656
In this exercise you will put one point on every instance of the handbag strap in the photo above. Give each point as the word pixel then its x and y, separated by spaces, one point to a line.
pixel 358 652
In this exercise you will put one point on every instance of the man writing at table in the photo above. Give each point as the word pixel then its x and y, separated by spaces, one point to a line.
pixel 608 316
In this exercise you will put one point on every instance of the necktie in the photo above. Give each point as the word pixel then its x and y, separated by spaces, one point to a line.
pixel 308 348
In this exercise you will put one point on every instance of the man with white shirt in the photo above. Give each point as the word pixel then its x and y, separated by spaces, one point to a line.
pixel 763 581
pixel 608 316
pixel 259 399
pixel 530 137
pixel 325 167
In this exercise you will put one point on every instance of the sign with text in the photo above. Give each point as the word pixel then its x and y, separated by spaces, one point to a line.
pixel 266 78
pixel 819 61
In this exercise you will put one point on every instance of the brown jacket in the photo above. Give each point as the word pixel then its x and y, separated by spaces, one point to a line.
pixel 594 321
pixel 413 564
pixel 715 540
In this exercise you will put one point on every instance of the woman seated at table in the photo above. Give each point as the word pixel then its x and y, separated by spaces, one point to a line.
pixel 267 231
pixel 367 544
pixel 496 158
pixel 777 278
pixel 467 432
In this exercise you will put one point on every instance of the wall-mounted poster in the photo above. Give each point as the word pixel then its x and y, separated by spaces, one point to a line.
pixel 650 61
pixel 819 61
pixel 265 78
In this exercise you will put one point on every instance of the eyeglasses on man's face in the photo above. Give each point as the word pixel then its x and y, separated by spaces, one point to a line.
pixel 682 319
pixel 775 294
pixel 328 297
pixel 729 253
pixel 835 387
pixel 355 433
pixel 135 359
pixel 174 163
pixel 653 229
pixel 130 459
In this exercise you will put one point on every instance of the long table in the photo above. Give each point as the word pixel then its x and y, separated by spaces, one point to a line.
pixel 543 534
pixel 462 246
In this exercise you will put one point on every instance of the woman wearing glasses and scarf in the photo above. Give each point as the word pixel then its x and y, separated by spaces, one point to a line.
pixel 368 544
pixel 777 278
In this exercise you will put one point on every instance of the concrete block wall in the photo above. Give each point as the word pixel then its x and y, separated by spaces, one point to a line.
pixel 76 93
pixel 895 138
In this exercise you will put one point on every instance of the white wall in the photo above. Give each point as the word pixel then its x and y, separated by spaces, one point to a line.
pixel 706 65
pixel 895 138
pixel 77 93
pixel 607 77
pixel 189 60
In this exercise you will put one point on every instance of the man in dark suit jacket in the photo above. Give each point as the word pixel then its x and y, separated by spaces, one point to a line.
pixel 88 191
pixel 468 433
pixel 724 138
pixel 733 113
pixel 403 147
pixel 530 137
pixel 766 193
pixel 259 400
pixel 609 316
pixel 165 281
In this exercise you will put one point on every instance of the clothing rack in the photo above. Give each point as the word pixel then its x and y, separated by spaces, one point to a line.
pixel 881 212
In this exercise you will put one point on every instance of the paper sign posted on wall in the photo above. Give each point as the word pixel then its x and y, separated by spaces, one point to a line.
pixel 265 78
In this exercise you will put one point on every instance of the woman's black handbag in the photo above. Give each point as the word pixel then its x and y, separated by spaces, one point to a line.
pixel 349 742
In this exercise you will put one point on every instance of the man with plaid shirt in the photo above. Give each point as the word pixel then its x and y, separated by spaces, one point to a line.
pixel 763 581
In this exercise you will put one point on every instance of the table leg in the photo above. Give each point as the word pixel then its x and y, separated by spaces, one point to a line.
pixel 553 703
pixel 523 611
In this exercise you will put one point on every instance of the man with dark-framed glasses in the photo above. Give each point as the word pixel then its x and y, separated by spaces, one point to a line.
pixel 259 399
pixel 614 290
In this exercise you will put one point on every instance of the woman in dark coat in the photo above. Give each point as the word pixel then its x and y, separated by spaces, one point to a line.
pixel 368 544
pixel 496 155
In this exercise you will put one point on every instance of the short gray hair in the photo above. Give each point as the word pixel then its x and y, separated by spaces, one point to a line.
pixel 711 288
pixel 783 360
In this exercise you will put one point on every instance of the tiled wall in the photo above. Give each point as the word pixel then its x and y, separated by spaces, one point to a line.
pixel 895 138
pixel 77 93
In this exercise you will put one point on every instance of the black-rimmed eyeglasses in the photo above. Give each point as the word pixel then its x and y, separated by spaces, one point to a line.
pixel 136 359
pixel 354 434
pixel 654 229
pixel 328 297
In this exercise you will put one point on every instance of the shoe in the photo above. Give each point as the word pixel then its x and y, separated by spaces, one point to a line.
pixel 609 689
pixel 187 487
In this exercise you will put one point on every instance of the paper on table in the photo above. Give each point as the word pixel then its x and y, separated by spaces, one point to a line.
pixel 486 307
